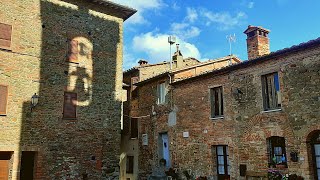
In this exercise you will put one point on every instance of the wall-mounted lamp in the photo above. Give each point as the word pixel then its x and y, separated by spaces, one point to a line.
pixel 34 100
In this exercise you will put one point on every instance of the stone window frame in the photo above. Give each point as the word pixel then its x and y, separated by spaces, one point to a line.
pixel 222 108
pixel 6 103
pixel 265 104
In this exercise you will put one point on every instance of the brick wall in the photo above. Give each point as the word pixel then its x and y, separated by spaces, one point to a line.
pixel 245 125
pixel 66 149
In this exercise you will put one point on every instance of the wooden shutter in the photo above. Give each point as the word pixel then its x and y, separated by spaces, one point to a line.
pixel 3 99
pixel 70 105
pixel 5 35
pixel 130 163
pixel 73 51
pixel 4 169
pixel 134 127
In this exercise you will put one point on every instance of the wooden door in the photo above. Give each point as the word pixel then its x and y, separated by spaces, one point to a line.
pixel 4 169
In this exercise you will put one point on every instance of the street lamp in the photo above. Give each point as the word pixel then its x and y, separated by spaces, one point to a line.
pixel 34 101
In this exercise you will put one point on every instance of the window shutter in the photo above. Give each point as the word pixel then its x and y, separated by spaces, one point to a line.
pixel 3 99
pixel 73 51
pixel 70 105
pixel 134 128
pixel 5 35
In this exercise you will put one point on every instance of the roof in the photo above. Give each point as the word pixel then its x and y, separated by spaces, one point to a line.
pixel 210 61
pixel 244 64
pixel 124 11
pixel 148 65
pixel 186 67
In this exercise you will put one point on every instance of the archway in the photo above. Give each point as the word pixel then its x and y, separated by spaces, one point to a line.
pixel 313 144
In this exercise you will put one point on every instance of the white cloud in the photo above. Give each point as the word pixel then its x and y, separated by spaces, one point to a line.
pixel 192 15
pixel 157 48
pixel 250 5
pixel 141 6
pixel 175 6
pixel 224 20
pixel 184 30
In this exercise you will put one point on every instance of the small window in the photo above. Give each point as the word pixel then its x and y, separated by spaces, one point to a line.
pixel 70 105
pixel 216 99
pixel 162 93
pixel 271 91
pixel 134 127
pixel 5 36
pixel 3 99
pixel 221 161
pixel 73 51
pixel 129 164
pixel 276 151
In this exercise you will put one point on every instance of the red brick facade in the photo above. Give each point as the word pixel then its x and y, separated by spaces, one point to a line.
pixel 246 125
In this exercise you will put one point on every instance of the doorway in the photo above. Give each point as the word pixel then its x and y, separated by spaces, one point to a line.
pixel 314 142
pixel 27 165
pixel 164 148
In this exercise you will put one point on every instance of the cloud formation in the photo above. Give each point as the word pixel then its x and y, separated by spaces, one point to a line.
pixel 184 30
pixel 250 5
pixel 157 47
pixel 192 15
pixel 224 20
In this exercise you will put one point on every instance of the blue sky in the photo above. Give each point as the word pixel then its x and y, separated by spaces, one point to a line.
pixel 201 26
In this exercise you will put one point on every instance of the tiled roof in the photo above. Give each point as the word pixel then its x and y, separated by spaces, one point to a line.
pixel 300 47
pixel 184 68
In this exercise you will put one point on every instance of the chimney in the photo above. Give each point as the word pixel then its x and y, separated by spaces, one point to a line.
pixel 177 58
pixel 143 62
pixel 257 41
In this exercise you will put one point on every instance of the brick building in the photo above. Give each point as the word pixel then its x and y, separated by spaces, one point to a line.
pixel 237 121
pixel 69 53
pixel 138 107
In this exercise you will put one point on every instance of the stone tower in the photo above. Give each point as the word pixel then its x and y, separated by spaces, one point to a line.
pixel 257 41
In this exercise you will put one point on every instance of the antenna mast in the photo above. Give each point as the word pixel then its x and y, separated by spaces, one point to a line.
pixel 231 38
pixel 171 41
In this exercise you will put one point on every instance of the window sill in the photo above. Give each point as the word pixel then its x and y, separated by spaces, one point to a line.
pixel 271 110
pixel 217 118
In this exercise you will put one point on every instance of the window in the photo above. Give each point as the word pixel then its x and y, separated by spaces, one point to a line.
pixel 222 161
pixel 216 99
pixel 162 93
pixel 5 36
pixel 276 150
pixel 134 127
pixel 271 91
pixel 130 164
pixel 70 105
pixel 3 99
pixel 73 51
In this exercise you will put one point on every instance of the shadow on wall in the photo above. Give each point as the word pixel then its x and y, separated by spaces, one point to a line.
pixel 74 131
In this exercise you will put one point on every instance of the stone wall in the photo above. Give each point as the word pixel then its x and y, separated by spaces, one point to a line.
pixel 245 125
pixel 65 149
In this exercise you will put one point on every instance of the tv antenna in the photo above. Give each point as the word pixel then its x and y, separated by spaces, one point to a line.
pixel 171 41
pixel 231 39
